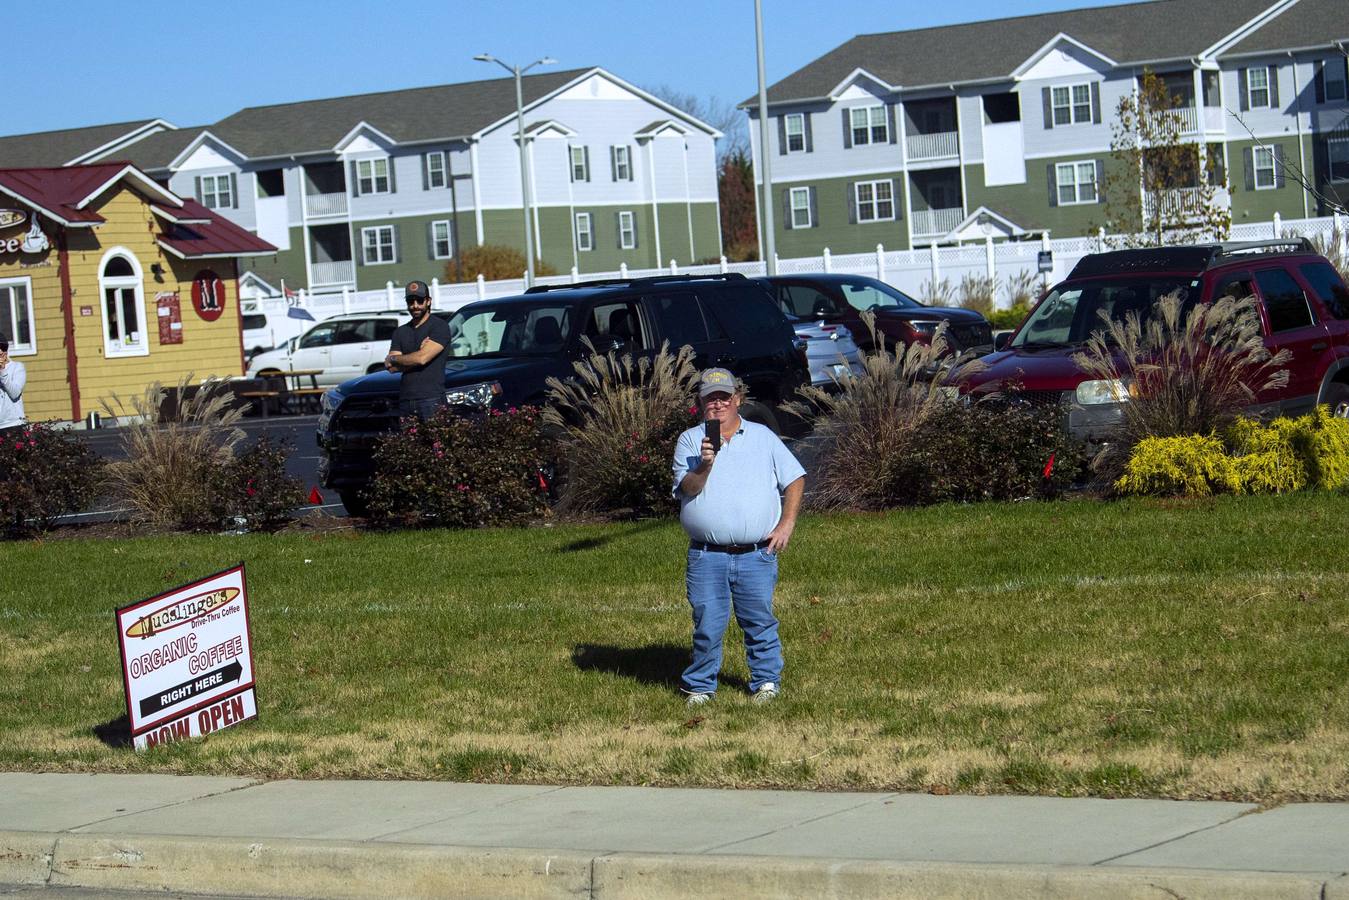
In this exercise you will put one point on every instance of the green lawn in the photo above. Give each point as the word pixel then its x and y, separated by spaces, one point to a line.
pixel 1139 649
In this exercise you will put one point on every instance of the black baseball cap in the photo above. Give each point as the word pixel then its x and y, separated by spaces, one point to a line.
pixel 417 289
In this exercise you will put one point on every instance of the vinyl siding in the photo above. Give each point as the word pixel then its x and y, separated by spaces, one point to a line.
pixel 47 393
pixel 833 229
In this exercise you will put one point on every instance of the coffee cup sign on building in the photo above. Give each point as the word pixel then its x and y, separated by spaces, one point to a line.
pixel 187 662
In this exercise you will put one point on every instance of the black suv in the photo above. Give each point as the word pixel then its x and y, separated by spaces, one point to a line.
pixel 503 352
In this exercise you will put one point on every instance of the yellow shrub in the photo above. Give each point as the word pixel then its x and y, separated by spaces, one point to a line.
pixel 1328 449
pixel 1192 466
pixel 1266 457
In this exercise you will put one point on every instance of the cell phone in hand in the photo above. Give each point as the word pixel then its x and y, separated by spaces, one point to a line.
pixel 712 428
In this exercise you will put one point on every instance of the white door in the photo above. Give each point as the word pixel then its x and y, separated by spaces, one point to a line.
pixel 352 349
pixel 315 351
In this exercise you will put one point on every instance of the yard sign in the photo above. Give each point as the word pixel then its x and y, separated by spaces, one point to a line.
pixel 186 660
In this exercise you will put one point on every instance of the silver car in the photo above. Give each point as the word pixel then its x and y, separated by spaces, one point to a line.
pixel 830 350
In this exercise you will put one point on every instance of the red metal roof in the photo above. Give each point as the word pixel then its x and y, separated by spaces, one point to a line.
pixel 220 237
pixel 59 193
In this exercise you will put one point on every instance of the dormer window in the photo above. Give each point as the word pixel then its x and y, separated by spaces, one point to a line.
pixel 1072 104
pixel 372 176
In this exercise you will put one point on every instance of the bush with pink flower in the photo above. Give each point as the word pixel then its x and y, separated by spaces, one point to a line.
pixel 462 472
pixel 44 473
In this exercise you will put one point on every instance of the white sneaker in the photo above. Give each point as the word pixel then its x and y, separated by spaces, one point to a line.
pixel 698 698
pixel 767 693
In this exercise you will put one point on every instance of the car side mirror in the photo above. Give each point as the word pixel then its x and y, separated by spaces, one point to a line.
pixel 292 344
pixel 1002 340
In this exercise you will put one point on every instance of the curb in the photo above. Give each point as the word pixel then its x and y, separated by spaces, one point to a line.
pixel 359 870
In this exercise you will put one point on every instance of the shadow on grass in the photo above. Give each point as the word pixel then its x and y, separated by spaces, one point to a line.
pixel 655 664
pixel 115 734
pixel 594 543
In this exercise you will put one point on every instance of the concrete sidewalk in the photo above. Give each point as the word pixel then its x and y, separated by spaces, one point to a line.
pixel 435 839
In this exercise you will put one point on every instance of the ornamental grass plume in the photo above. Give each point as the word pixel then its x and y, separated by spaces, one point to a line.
pixel 617 421
pixel 173 455
pixel 1188 371
pixel 866 425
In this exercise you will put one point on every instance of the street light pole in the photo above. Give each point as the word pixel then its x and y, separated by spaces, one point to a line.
pixel 525 194
pixel 765 199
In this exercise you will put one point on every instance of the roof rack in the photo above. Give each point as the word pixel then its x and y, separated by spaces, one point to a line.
pixel 635 282
pixel 1194 258
pixel 1296 244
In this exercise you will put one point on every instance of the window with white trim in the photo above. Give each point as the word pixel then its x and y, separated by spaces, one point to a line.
pixel 1337 152
pixel 1071 103
pixel 16 315
pixel 800 203
pixel 627 231
pixel 372 176
pixel 377 245
pixel 435 169
pixel 1335 72
pixel 622 164
pixel 1263 161
pixel 1076 183
pixel 1257 86
pixel 875 201
pixel 441 245
pixel 869 125
pixel 215 192
pixel 585 235
pixel 121 285
pixel 580 164
pixel 796 133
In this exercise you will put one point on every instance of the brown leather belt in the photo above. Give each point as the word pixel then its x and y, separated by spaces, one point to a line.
pixel 727 548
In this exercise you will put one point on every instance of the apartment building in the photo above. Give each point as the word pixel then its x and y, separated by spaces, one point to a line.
pixel 1004 127
pixel 362 190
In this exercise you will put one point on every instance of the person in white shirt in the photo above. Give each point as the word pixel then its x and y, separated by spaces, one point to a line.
pixel 13 376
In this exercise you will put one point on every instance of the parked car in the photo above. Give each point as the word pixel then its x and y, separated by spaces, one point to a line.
pixel 503 352
pixel 831 352
pixel 902 320
pixel 340 348
pixel 1303 305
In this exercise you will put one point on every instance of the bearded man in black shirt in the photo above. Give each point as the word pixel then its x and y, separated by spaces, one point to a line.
pixel 418 350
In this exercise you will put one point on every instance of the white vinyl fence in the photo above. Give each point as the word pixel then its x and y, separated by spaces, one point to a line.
pixel 909 270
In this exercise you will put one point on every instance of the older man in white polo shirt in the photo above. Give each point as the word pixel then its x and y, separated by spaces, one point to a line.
pixel 732 506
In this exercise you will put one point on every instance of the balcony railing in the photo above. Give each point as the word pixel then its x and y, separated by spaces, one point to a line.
pixel 325 204
pixel 932 146
pixel 332 273
pixel 1188 118
pixel 929 222
pixel 1182 205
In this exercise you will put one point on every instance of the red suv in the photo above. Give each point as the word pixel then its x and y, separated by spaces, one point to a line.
pixel 1303 304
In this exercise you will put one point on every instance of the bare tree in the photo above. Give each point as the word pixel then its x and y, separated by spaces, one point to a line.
pixel 718 113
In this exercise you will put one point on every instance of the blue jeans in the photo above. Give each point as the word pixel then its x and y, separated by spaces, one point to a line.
pixel 421 409
pixel 716 582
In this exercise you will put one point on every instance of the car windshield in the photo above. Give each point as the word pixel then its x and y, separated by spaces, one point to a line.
pixel 868 293
pixel 509 329
pixel 1072 312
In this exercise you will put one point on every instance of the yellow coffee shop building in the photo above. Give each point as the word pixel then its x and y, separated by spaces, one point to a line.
pixel 109 282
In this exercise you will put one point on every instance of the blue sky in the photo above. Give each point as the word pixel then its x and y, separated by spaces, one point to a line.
pixel 86 62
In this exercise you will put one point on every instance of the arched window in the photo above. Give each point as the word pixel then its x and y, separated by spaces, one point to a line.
pixel 122 286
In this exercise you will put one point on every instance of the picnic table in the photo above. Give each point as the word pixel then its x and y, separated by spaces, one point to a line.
pixel 298 387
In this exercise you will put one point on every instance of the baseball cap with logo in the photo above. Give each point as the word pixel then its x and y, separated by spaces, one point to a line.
pixel 714 381
pixel 416 289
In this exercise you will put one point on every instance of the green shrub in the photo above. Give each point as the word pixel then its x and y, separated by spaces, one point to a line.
pixel 44 473
pixel 618 420
pixel 1189 466
pixel 254 487
pixel 460 472
pixel 989 451
pixel 1004 319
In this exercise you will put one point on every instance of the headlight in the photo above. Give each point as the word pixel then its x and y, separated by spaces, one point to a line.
pixel 479 395
pixel 924 326
pixel 1094 393
pixel 332 399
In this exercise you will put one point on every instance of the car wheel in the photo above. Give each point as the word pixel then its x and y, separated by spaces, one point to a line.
pixel 1337 398
pixel 754 411
pixel 355 502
